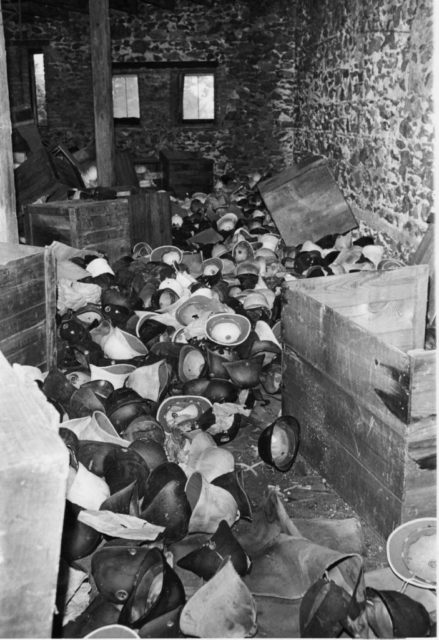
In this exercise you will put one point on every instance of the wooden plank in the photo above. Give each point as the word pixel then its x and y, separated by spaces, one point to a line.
pixel 20 320
pixel 426 254
pixel 347 473
pixel 332 413
pixel 27 346
pixel 124 168
pixel 102 91
pixel 165 217
pixel 137 215
pixel 33 476
pixel 423 384
pixel 50 307
pixel 420 498
pixel 8 215
pixel 306 202
pixel 373 372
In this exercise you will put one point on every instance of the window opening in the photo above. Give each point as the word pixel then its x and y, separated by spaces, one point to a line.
pixel 198 96
pixel 126 96
pixel 39 87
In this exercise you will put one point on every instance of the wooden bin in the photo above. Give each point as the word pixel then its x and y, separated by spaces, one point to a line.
pixel 185 172
pixel 101 225
pixel 27 311
pixel 306 202
pixel 33 476
pixel 357 378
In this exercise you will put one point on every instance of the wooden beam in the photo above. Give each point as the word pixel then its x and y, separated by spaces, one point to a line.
pixel 102 91
pixel 8 212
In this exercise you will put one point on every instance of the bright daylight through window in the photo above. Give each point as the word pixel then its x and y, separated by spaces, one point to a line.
pixel 198 96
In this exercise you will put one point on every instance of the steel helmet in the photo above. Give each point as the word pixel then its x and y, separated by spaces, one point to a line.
pixel 167 254
pixel 227 329
pixel 245 373
pixel 278 443
pixel 192 363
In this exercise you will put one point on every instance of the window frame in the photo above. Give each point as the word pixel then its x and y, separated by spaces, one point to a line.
pixel 127 121
pixel 177 68
pixel 202 70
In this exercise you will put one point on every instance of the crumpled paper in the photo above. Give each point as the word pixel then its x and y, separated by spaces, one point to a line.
pixel 75 295
pixel 119 525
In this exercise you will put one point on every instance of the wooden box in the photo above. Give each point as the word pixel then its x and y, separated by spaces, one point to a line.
pixel 33 476
pixel 357 378
pixel 306 202
pixel 28 305
pixel 185 172
pixel 150 218
pixel 85 224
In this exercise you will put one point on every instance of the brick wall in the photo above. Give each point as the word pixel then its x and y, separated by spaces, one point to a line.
pixel 350 79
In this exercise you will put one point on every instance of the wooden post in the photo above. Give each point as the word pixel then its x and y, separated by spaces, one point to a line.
pixel 8 213
pixel 102 91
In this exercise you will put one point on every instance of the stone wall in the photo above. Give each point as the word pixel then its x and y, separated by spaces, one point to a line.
pixel 364 100
pixel 349 79
pixel 252 45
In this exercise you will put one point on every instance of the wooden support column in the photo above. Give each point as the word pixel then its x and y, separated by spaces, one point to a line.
pixel 8 212
pixel 102 91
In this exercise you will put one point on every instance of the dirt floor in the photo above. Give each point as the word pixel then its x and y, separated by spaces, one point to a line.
pixel 304 492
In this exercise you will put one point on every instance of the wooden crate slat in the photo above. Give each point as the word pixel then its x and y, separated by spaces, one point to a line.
pixel 423 391
pixel 376 373
pixel 420 498
pixel 50 298
pixel 349 476
pixel 24 319
pixel 27 346
pixel 319 403
pixel 21 296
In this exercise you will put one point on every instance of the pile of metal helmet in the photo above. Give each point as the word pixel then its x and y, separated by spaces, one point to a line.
pixel 162 355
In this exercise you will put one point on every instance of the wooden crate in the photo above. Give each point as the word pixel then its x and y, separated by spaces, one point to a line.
pixel 185 172
pixel 306 202
pixel 33 475
pixel 363 389
pixel 150 217
pixel 102 225
pixel 27 312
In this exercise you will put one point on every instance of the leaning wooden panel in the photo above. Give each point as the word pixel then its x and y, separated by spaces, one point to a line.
pixel 306 202
pixel 33 476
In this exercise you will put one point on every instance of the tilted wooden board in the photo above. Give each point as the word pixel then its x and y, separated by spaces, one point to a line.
pixel 306 203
